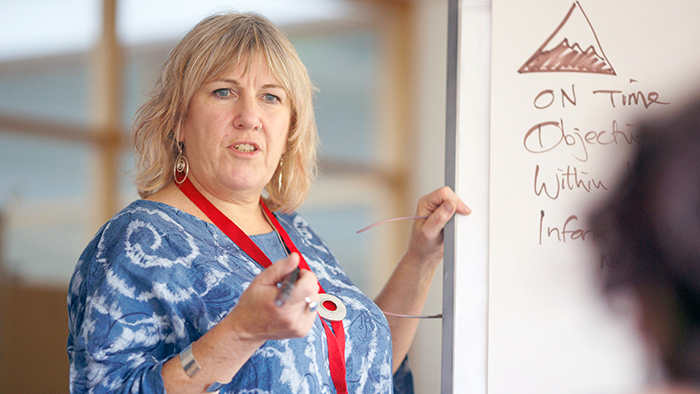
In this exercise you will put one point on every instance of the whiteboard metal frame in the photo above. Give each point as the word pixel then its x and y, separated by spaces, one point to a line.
pixel 467 146
pixel 450 180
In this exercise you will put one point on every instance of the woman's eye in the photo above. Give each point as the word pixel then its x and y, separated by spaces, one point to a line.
pixel 271 98
pixel 222 92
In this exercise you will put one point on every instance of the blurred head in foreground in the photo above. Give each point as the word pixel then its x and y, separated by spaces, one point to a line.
pixel 649 232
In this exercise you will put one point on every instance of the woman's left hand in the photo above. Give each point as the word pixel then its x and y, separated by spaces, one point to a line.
pixel 407 289
pixel 426 242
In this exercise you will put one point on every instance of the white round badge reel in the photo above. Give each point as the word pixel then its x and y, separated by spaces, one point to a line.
pixel 331 308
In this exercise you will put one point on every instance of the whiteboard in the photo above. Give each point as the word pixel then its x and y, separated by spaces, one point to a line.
pixel 542 100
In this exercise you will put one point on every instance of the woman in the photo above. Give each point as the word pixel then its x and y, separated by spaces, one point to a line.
pixel 649 233
pixel 178 292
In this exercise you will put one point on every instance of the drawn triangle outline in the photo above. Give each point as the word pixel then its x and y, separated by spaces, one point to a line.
pixel 567 56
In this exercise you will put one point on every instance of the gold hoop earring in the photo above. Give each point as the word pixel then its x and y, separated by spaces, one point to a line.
pixel 182 167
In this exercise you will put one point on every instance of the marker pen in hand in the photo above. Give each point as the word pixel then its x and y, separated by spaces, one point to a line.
pixel 287 286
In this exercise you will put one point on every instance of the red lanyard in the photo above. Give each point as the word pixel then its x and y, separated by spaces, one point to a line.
pixel 335 338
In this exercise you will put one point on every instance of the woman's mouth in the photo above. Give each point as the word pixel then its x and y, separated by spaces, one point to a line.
pixel 245 148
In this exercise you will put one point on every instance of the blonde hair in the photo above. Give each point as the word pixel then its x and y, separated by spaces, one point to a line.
pixel 214 46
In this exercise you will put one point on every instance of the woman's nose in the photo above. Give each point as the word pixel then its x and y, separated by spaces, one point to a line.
pixel 248 116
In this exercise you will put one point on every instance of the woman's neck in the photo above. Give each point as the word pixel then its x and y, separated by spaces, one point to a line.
pixel 246 213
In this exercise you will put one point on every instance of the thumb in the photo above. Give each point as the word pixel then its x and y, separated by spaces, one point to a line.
pixel 277 271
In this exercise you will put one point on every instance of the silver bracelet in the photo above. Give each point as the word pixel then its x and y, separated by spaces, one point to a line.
pixel 191 367
pixel 214 387
pixel 188 362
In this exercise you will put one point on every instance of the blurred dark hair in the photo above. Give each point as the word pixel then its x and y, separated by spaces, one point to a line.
pixel 649 233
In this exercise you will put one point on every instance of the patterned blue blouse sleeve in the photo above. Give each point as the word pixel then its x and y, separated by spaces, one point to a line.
pixel 123 311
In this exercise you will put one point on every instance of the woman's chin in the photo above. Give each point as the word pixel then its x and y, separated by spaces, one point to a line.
pixel 240 183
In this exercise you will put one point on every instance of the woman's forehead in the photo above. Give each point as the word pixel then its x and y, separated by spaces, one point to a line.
pixel 255 63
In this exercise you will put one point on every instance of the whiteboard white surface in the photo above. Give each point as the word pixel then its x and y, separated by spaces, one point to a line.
pixel 558 131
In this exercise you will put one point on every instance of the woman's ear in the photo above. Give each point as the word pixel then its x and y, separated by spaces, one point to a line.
pixel 179 137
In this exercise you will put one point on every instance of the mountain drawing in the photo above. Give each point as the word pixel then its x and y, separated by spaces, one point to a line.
pixel 563 50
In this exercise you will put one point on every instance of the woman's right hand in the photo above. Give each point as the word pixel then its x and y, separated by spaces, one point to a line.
pixel 258 317
pixel 255 319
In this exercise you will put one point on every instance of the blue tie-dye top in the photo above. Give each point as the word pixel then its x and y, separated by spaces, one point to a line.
pixel 154 279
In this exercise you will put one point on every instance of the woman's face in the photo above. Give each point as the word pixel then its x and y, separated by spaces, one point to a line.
pixel 236 130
